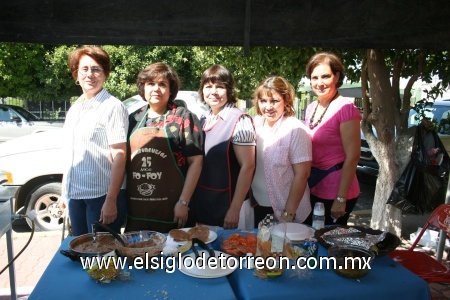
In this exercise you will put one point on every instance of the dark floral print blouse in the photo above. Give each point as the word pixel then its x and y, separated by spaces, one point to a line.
pixel 184 132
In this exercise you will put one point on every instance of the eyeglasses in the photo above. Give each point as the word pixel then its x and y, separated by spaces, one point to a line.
pixel 94 70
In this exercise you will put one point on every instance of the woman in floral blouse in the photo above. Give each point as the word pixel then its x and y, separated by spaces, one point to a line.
pixel 165 156
pixel 284 154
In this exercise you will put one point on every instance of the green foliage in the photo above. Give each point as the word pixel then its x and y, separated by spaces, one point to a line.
pixel 58 83
pixel 19 66
pixel 262 62
pixel 53 115
pixel 40 72
pixel 128 61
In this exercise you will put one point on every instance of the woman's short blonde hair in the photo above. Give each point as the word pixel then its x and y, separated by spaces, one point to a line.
pixel 282 87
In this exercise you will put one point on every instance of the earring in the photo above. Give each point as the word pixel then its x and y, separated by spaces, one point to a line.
pixel 77 82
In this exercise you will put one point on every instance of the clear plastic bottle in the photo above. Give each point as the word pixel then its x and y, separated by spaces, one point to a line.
pixel 318 216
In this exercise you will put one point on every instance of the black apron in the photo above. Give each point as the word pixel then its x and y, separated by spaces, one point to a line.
pixel 154 181
pixel 218 179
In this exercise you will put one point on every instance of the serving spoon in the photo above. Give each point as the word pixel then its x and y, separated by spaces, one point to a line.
pixel 117 236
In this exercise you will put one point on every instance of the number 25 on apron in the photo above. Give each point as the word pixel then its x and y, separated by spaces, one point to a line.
pixel 154 182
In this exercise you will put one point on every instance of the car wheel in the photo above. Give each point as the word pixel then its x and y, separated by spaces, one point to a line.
pixel 43 200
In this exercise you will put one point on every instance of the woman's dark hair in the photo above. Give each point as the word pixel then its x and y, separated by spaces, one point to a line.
pixel 94 52
pixel 158 70
pixel 329 58
pixel 218 74
pixel 282 87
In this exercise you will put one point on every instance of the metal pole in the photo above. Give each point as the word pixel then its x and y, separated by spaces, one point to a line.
pixel 443 233
pixel 9 247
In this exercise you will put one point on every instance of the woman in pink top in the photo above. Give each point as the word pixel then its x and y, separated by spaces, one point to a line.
pixel 283 154
pixel 334 123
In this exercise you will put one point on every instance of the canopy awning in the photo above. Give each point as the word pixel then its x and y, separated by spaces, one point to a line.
pixel 305 23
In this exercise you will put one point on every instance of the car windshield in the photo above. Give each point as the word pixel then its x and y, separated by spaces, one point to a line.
pixel 438 114
pixel 28 115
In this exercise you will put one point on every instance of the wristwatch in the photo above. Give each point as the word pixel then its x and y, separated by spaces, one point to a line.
pixel 341 200
pixel 286 215
pixel 185 203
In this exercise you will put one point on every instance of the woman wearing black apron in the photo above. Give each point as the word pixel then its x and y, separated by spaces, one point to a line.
pixel 165 156
pixel 229 164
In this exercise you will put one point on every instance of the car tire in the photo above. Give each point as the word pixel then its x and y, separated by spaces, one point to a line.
pixel 43 200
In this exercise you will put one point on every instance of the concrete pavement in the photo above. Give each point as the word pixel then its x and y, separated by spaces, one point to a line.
pixel 31 264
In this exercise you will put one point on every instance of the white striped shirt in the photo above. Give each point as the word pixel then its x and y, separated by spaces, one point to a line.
pixel 91 126
pixel 244 132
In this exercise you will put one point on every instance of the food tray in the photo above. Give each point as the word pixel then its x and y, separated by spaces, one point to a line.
pixel 142 243
pixel 388 244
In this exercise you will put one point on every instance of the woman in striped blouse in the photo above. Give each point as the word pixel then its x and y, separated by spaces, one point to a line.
pixel 96 129
pixel 229 162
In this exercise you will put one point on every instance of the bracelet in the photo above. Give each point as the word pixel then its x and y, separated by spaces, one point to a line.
pixel 341 199
pixel 184 202
pixel 286 214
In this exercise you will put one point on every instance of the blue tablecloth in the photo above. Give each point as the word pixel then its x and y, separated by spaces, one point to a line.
pixel 65 279
pixel 386 280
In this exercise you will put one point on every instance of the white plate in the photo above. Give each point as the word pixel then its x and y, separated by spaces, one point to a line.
pixel 294 231
pixel 211 237
pixel 206 272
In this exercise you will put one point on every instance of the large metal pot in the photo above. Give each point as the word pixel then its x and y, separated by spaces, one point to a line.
pixel 83 245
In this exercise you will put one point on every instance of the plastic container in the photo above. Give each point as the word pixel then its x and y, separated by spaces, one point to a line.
pixel 271 247
pixel 318 216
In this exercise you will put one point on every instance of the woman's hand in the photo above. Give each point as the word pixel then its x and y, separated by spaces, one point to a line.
pixel 297 189
pixel 108 213
pixel 231 218
pixel 288 218
pixel 63 205
pixel 338 210
pixel 180 214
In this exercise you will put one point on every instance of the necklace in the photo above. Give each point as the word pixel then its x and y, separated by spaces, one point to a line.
pixel 312 125
pixel 155 119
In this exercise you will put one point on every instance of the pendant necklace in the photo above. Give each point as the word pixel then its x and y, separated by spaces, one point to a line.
pixel 312 125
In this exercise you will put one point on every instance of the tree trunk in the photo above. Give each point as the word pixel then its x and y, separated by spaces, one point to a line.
pixel 382 117
pixel 385 217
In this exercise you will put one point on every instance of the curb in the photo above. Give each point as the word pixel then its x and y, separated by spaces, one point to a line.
pixel 365 212
pixel 19 291
pixel 16 235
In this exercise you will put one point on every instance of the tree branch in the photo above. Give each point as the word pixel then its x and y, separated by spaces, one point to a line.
pixel 411 81
pixel 365 90
pixel 396 73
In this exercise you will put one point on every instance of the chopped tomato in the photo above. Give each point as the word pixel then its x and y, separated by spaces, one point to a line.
pixel 239 245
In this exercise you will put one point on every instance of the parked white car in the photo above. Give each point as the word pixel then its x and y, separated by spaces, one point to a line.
pixel 188 99
pixel 192 102
pixel 36 164
pixel 16 121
